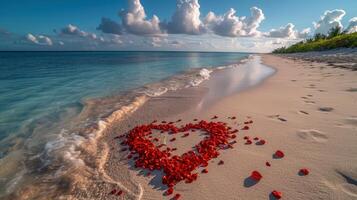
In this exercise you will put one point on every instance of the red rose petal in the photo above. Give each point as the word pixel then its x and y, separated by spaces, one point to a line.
pixel 221 162
pixel 304 171
pixel 277 194
pixel 205 171
pixel 120 193
pixel 256 176
pixel 177 196
pixel 186 134
pixel 113 191
pixel 245 128
pixel 261 142
pixel 169 191
pixel 268 164
pixel 248 142
pixel 173 139
pixel 279 154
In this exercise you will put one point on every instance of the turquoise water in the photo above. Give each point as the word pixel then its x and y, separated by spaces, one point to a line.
pixel 34 84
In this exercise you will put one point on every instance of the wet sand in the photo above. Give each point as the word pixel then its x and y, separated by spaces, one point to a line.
pixel 307 110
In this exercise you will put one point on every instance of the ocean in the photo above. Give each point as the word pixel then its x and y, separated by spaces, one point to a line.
pixel 48 98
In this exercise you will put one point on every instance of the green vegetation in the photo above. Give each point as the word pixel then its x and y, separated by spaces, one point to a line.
pixel 320 42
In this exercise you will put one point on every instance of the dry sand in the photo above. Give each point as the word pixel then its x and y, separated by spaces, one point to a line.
pixel 308 110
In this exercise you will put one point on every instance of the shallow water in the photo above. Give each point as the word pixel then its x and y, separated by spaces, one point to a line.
pixel 234 79
pixel 46 97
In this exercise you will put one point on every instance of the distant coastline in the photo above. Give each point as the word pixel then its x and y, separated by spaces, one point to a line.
pixel 335 39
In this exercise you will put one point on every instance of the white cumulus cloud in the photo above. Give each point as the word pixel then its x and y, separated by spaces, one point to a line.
pixel 304 33
pixel 73 30
pixel 352 27
pixel 135 22
pixel 40 39
pixel 329 20
pixel 283 32
pixel 186 19
pixel 231 25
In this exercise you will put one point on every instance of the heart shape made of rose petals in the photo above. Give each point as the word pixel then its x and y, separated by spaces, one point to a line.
pixel 178 168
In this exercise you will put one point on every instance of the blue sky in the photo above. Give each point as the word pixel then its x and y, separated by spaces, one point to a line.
pixel 40 17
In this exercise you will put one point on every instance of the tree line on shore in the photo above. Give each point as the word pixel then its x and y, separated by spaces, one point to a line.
pixel 336 38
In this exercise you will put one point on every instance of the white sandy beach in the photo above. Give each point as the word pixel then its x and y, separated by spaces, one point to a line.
pixel 307 110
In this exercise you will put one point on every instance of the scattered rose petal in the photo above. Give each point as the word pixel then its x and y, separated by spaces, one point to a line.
pixel 113 191
pixel 248 142
pixel 268 164
pixel 221 162
pixel 205 171
pixel 279 154
pixel 120 193
pixel 177 196
pixel 261 142
pixel 256 176
pixel 245 128
pixel 169 191
pixel 277 194
pixel 304 171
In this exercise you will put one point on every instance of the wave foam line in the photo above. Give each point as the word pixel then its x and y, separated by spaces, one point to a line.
pixel 102 127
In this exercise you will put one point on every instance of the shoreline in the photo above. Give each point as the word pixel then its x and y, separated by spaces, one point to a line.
pixel 273 118
pixel 75 152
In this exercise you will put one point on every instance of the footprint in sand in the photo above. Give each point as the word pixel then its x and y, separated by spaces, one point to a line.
pixel 350 122
pixel 352 90
pixel 278 117
pixel 313 135
pixel 350 182
pixel 325 109
pixel 312 86
pixel 303 112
